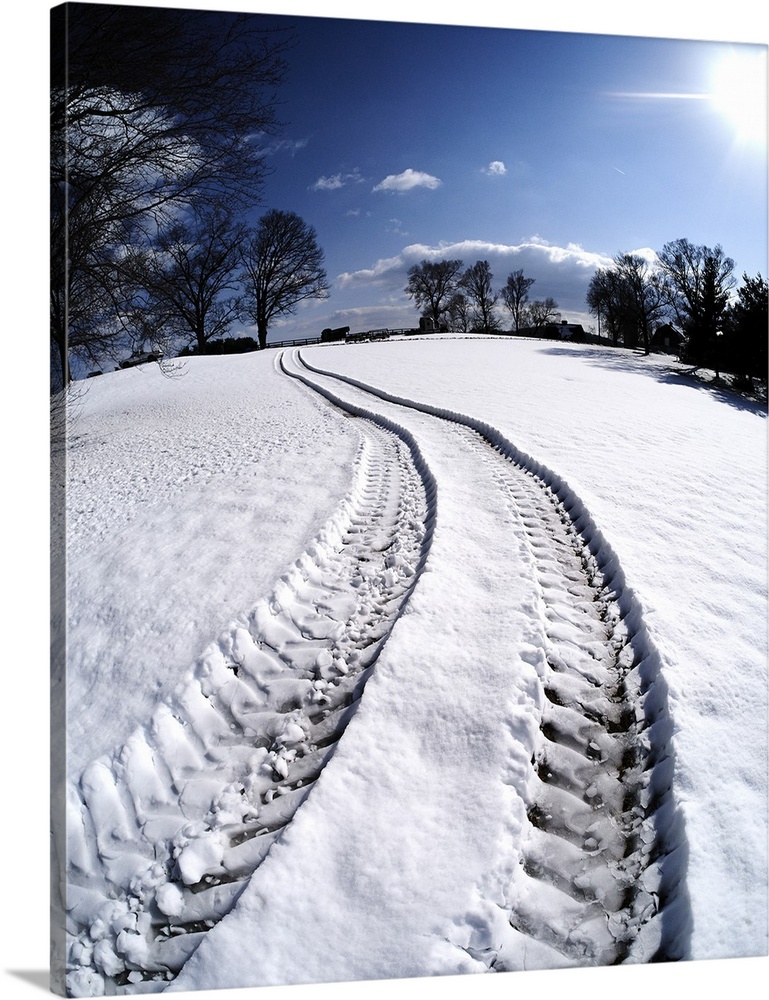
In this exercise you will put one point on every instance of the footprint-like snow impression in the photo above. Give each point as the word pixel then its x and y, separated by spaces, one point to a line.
pixel 163 833
pixel 601 873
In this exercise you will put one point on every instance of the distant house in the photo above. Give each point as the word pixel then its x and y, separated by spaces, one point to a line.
pixel 572 331
pixel 564 331
pixel 666 340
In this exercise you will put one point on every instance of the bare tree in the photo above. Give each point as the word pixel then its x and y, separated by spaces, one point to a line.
pixel 458 312
pixel 432 284
pixel 515 295
pixel 541 312
pixel 644 294
pixel 607 299
pixel 630 298
pixel 152 109
pixel 282 266
pixel 697 282
pixel 476 281
pixel 188 280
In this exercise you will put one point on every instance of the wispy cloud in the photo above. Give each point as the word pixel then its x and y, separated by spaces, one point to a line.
pixel 407 180
pixel 290 146
pixel 495 169
pixel 657 95
pixel 336 181
pixel 396 226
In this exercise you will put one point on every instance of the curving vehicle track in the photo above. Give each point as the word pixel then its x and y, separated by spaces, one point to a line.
pixel 599 879
pixel 165 833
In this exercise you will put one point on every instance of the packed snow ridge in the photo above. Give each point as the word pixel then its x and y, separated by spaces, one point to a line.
pixel 457 649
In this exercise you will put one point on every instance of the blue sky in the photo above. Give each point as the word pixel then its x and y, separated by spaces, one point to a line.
pixel 551 151
pixel 595 161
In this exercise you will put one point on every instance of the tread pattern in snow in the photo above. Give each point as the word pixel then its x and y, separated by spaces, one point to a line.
pixel 601 878
pixel 598 866
pixel 163 833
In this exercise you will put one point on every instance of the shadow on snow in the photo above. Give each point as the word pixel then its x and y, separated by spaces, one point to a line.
pixel 637 364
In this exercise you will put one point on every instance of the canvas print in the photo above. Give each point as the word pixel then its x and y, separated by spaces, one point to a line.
pixel 409 458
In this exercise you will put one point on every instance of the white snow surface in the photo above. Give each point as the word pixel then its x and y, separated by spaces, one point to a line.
pixel 189 497
pixel 676 478
pixel 186 499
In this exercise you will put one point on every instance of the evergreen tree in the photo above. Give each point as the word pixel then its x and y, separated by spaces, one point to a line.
pixel 746 331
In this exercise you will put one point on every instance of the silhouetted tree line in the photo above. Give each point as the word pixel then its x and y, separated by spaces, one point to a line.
pixel 452 296
pixel 692 287
pixel 228 345
pixel 158 118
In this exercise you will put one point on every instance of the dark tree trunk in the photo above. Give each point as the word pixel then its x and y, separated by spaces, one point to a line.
pixel 60 373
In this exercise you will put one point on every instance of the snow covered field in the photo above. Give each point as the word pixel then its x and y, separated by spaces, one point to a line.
pixel 545 568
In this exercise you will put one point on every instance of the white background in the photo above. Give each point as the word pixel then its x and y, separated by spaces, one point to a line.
pixel 23 487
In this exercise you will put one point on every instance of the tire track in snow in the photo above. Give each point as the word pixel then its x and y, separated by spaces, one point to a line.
pixel 163 833
pixel 601 879
pixel 596 871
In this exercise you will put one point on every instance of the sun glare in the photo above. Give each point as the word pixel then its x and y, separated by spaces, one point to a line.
pixel 739 92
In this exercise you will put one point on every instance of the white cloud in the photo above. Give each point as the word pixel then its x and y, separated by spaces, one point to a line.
pixel 376 317
pixel 407 180
pixel 495 169
pixel 560 272
pixel 649 255
pixel 336 181
pixel 384 272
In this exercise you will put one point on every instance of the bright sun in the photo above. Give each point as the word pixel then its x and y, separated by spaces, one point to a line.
pixel 739 92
